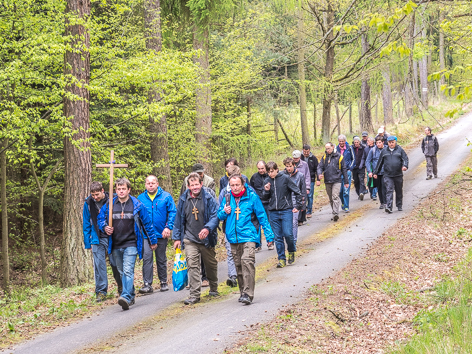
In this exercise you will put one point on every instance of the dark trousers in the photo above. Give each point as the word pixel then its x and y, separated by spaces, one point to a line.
pixel 161 261
pixel 394 184
pixel 359 180
pixel 380 183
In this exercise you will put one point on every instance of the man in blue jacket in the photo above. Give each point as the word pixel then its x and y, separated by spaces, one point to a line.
pixel 161 208
pixel 97 241
pixel 130 222
pixel 195 228
pixel 371 162
pixel 346 151
pixel 239 210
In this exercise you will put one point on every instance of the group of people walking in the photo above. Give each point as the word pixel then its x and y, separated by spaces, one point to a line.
pixel 273 202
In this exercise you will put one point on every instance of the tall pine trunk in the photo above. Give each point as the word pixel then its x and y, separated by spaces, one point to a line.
pixel 442 57
pixel 423 65
pixel 203 98
pixel 387 97
pixel 409 88
pixel 301 78
pixel 328 75
pixel 3 200
pixel 158 125
pixel 366 121
pixel 76 265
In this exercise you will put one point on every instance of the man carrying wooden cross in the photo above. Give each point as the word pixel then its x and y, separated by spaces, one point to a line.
pixel 130 222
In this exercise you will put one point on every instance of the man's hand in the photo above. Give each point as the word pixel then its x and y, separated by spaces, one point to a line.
pixel 154 246
pixel 166 233
pixel 318 183
pixel 375 176
pixel 404 168
pixel 109 230
pixel 346 186
pixel 267 187
pixel 294 210
pixel 203 234
pixel 227 209
pixel 307 191
pixel 176 244
pixel 370 175
pixel 321 176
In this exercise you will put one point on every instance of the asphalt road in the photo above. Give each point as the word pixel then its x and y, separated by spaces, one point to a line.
pixel 214 326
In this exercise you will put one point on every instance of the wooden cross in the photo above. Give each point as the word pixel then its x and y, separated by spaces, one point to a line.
pixel 195 212
pixel 237 212
pixel 112 165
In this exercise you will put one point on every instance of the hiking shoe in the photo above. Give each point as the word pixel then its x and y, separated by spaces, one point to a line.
pixel 291 257
pixel 132 302
pixel 435 176
pixel 387 210
pixel 241 298
pixel 101 297
pixel 336 218
pixel 192 301
pixel 124 303
pixel 282 263
pixel 400 208
pixel 214 293
pixel 146 289
pixel 429 177
pixel 308 215
pixel 270 246
pixel 246 300
pixel 373 198
pixel 361 196
pixel 164 287
pixel 382 206
pixel 232 281
pixel 300 223
pixel 258 249
pixel 205 283
pixel 346 210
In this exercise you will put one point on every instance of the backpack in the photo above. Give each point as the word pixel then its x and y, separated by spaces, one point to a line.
pixel 340 159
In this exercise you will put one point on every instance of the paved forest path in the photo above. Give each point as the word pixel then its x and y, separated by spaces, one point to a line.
pixel 212 326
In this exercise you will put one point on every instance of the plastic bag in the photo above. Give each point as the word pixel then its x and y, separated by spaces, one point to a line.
pixel 180 272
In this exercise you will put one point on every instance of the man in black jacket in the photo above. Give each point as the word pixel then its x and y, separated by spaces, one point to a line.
pixel 430 147
pixel 394 161
pixel 332 169
pixel 278 191
pixel 358 172
pixel 312 162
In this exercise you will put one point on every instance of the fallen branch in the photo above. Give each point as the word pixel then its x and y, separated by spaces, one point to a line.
pixel 338 316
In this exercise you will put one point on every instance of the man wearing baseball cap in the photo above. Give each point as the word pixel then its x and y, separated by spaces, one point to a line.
pixel 365 136
pixel 394 161
pixel 207 180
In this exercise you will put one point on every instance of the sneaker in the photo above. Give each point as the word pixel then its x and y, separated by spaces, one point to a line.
pixel 132 302
pixel 146 289
pixel 258 249
pixel 245 299
pixel 400 209
pixel 192 301
pixel 120 290
pixel 308 215
pixel 429 177
pixel 300 223
pixel 241 298
pixel 382 206
pixel 205 283
pixel 282 263
pixel 164 287
pixel 336 218
pixel 361 196
pixel 232 281
pixel 124 303
pixel 101 297
pixel 291 257
pixel 346 210
pixel 374 198
pixel 213 293
pixel 270 246
pixel 387 210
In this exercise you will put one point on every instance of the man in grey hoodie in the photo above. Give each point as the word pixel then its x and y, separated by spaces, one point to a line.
pixel 430 147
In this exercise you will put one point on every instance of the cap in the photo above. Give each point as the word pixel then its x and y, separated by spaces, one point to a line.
pixel 296 154
pixel 198 167
pixel 365 134
pixel 233 170
pixel 390 138
pixel 381 130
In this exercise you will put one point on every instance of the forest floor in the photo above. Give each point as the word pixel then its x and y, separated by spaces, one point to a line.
pixel 371 306
pixel 32 310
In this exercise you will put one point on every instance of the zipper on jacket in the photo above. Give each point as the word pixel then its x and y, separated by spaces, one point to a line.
pixel 275 187
pixel 236 221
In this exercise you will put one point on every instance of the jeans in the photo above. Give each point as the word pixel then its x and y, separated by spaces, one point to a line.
pixel 99 253
pixel 125 261
pixel 309 201
pixel 161 261
pixel 344 193
pixel 281 222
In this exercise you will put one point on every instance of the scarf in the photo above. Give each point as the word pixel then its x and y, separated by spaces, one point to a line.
pixel 240 194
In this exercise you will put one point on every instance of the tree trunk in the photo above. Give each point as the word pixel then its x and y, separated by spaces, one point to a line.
pixel 387 97
pixel 76 266
pixel 248 126
pixel 314 121
pixel 350 117
pixel 409 88
pixel 276 126
pixel 442 57
pixel 424 76
pixel 42 240
pixel 329 66
pixel 203 99
pixel 301 78
pixel 3 192
pixel 338 117
pixel 158 125
pixel 377 109
pixel 366 121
